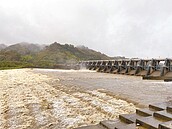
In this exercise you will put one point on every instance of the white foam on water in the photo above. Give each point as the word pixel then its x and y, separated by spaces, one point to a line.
pixel 62 70
pixel 161 82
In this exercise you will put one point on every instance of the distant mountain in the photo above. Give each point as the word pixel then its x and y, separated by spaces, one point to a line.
pixel 24 48
pixel 2 46
pixel 54 55
pixel 58 53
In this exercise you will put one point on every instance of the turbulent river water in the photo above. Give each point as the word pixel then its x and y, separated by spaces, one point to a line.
pixel 36 98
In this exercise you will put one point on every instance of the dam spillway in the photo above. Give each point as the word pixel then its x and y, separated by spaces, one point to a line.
pixel 155 116
pixel 156 69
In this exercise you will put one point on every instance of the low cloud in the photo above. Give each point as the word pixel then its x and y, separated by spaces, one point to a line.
pixel 131 28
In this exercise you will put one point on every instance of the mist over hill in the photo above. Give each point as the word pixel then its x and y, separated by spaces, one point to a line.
pixel 48 56
pixel 24 48
pixel 2 46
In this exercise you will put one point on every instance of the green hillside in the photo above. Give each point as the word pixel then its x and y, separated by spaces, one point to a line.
pixel 58 53
pixel 32 55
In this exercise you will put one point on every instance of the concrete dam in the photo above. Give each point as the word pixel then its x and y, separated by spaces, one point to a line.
pixel 155 115
pixel 158 69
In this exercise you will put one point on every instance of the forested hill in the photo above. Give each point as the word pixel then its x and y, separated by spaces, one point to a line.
pixel 34 55
pixel 67 53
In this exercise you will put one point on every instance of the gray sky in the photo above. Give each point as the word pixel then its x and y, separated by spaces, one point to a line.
pixel 131 28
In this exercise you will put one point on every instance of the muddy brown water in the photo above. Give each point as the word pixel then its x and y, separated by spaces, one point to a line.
pixel 41 99
pixel 130 88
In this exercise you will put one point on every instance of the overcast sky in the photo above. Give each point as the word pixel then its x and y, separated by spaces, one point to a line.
pixel 131 28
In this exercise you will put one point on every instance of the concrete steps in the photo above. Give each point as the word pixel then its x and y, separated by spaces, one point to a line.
pixel 145 112
pixel 160 106
pixel 156 116
pixel 129 118
pixel 169 109
pixel 149 122
pixel 112 124
pixel 92 127
pixel 166 125
pixel 129 126
pixel 163 115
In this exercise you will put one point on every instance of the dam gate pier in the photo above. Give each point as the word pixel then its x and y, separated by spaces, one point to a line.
pixel 155 69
